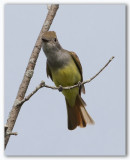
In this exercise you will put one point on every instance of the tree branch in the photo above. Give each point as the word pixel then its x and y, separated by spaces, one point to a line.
pixel 11 133
pixel 60 88
pixel 29 72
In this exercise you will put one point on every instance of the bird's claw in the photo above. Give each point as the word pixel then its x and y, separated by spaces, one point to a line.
pixel 79 84
pixel 60 88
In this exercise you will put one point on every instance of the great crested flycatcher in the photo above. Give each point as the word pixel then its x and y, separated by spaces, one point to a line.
pixel 64 68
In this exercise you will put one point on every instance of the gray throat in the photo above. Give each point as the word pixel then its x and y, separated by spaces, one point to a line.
pixel 57 58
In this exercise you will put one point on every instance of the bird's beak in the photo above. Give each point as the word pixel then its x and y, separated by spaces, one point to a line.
pixel 44 39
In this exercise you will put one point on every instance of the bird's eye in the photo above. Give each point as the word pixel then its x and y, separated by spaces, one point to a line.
pixel 55 39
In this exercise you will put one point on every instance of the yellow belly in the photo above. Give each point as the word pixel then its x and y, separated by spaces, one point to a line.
pixel 67 76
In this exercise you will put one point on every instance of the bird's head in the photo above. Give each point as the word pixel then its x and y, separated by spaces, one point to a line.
pixel 50 42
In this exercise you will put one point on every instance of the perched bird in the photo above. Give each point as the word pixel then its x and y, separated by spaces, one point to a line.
pixel 64 68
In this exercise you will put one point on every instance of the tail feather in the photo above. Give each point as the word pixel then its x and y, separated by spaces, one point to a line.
pixel 78 115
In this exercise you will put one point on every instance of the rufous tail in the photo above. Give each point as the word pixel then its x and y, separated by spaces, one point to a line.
pixel 78 115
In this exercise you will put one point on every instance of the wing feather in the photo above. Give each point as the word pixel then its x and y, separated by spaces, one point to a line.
pixel 77 61
pixel 48 71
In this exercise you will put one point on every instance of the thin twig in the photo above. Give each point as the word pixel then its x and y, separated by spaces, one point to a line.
pixel 60 88
pixel 12 133
pixel 99 71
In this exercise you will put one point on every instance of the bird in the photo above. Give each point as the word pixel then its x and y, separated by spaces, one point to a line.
pixel 64 69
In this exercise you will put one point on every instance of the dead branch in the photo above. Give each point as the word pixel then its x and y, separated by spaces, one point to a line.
pixel 11 133
pixel 29 72
pixel 60 88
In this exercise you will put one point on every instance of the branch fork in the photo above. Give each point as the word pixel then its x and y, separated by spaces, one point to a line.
pixel 7 133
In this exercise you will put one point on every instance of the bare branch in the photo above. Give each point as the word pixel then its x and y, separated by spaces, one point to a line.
pixel 29 71
pixel 99 71
pixel 60 88
pixel 11 133
pixel 42 84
